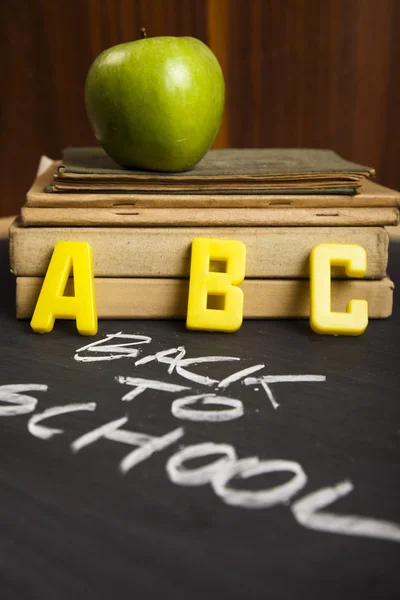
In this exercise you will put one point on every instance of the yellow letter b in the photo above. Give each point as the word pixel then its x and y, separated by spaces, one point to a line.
pixel 217 268
pixel 52 304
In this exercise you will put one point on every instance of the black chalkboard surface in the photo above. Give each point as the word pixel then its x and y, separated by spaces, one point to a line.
pixel 143 467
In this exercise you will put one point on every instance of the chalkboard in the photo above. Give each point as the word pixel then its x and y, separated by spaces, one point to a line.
pixel 142 467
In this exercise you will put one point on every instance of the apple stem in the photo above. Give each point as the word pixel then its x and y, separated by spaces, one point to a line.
pixel 143 32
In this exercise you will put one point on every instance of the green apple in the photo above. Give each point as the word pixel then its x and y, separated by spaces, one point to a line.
pixel 156 103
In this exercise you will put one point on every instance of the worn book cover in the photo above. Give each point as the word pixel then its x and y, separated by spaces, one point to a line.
pixel 371 195
pixel 260 170
pixel 167 298
pixel 208 217
pixel 272 252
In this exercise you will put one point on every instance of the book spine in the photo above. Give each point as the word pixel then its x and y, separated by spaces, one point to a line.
pixel 272 252
pixel 223 217
pixel 167 298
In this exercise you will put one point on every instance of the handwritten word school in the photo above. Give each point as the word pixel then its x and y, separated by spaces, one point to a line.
pixel 207 406
pixel 215 301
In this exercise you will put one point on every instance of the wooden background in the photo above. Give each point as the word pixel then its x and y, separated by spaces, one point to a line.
pixel 299 73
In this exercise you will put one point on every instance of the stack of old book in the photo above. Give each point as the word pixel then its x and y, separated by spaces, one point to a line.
pixel 279 203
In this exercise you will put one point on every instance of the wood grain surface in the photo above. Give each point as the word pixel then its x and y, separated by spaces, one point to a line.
pixel 299 73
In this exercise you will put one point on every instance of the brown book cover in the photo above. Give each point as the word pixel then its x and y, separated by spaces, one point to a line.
pixel 371 195
pixel 298 170
pixel 272 252
pixel 167 298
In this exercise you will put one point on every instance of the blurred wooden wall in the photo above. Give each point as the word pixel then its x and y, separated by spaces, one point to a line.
pixel 299 73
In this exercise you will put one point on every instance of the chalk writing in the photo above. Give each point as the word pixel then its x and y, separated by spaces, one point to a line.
pixel 147 444
pixel 45 433
pixel 201 475
pixel 112 351
pixel 306 511
pixel 140 385
pixel 249 467
pixel 180 411
pixel 266 380
pixel 20 403
pixel 180 364
pixel 224 467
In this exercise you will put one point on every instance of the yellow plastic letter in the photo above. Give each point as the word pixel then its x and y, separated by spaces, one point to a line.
pixel 354 258
pixel 52 304
pixel 217 268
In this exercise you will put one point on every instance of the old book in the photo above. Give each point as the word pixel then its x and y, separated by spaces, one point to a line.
pixel 272 252
pixel 167 298
pixel 371 195
pixel 88 169
pixel 206 217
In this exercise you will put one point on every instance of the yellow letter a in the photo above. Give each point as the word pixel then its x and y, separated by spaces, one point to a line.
pixel 217 268
pixel 52 304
